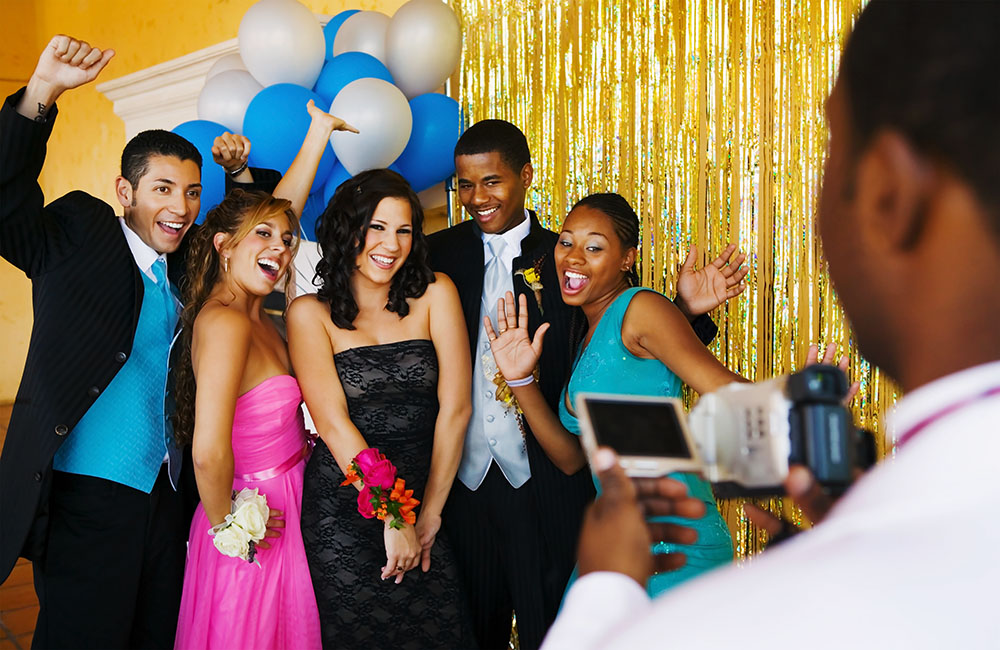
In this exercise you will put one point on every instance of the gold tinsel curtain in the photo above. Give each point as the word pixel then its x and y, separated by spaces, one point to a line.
pixel 707 115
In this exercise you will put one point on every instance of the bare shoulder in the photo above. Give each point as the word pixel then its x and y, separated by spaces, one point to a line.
pixel 442 287
pixel 649 311
pixel 649 302
pixel 306 308
pixel 217 321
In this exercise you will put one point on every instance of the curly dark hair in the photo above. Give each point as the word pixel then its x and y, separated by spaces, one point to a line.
pixel 341 232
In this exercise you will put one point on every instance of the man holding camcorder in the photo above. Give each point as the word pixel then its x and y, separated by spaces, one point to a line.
pixel 912 178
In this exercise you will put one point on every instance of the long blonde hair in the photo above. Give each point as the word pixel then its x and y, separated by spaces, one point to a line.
pixel 238 214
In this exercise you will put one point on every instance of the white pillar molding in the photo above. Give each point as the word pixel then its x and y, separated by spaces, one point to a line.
pixel 166 94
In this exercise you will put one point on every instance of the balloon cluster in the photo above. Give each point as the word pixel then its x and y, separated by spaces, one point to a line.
pixel 377 73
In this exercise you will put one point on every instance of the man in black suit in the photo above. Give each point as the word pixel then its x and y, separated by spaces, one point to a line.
pixel 89 470
pixel 513 515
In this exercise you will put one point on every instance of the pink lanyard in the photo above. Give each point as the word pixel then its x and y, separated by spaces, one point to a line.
pixel 934 417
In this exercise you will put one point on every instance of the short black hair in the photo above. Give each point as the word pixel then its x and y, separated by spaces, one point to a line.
pixel 929 71
pixel 496 135
pixel 155 142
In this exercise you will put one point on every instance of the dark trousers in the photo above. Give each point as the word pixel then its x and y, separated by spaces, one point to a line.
pixel 497 541
pixel 113 567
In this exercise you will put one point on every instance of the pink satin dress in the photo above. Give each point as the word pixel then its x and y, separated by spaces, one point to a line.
pixel 228 602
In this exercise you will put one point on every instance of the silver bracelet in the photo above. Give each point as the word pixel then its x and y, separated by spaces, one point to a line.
pixel 515 383
pixel 239 170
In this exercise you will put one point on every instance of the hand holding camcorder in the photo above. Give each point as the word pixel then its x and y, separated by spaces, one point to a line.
pixel 742 437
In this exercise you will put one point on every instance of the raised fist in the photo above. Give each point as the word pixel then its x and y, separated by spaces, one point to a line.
pixel 68 63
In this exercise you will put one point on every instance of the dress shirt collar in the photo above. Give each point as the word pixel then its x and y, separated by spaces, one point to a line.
pixel 940 394
pixel 512 238
pixel 144 255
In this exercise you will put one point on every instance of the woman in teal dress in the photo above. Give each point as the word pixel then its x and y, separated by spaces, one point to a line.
pixel 637 342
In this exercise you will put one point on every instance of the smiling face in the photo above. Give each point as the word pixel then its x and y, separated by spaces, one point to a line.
pixel 162 206
pixel 388 241
pixel 590 259
pixel 262 258
pixel 491 192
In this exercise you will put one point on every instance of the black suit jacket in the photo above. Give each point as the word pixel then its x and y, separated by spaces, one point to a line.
pixel 86 296
pixel 561 499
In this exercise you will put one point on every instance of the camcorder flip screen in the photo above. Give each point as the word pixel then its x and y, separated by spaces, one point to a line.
pixel 638 428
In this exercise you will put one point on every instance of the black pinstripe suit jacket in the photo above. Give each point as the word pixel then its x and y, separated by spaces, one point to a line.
pixel 458 252
pixel 86 295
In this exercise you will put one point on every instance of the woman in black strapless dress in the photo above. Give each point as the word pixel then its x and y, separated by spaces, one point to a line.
pixel 381 354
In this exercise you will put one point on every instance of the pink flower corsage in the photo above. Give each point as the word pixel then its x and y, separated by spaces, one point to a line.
pixel 382 493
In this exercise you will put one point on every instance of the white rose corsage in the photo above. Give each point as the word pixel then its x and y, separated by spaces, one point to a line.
pixel 244 526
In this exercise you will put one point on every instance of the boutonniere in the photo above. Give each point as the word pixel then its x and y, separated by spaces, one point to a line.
pixel 533 278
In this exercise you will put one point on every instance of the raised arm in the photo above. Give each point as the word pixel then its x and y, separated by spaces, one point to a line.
pixel 297 181
pixel 64 64
pixel 517 355
pixel 34 237
pixel 221 342
pixel 447 326
pixel 311 351
pixel 655 328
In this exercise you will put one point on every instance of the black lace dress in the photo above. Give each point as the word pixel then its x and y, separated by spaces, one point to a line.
pixel 392 398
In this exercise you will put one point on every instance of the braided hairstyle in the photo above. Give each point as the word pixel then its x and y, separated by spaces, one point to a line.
pixel 623 219
pixel 238 214
pixel 341 232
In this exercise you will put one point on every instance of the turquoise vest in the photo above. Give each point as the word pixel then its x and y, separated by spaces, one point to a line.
pixel 123 437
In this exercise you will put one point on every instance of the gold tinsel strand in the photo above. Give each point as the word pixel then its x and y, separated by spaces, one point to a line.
pixel 707 115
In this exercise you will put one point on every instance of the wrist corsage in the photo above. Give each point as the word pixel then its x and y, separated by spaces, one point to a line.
pixel 383 494
pixel 244 526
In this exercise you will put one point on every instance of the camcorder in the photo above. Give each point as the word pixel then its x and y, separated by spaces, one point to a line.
pixel 742 438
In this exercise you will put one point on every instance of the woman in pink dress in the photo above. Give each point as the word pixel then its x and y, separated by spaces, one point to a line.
pixel 238 406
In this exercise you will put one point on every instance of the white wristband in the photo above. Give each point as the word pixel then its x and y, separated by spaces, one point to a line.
pixel 515 383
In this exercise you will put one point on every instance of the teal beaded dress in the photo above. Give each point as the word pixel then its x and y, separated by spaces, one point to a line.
pixel 606 366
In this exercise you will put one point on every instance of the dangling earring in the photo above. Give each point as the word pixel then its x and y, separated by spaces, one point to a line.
pixel 225 264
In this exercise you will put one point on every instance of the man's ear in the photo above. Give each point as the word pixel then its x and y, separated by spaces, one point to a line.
pixel 124 191
pixel 893 188
pixel 527 175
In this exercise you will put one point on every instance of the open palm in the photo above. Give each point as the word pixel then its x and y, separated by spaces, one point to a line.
pixel 702 290
pixel 516 354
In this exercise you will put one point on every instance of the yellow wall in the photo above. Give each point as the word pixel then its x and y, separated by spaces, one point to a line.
pixel 88 138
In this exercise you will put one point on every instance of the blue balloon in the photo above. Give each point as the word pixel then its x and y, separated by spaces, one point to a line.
pixel 429 157
pixel 201 133
pixel 345 68
pixel 276 123
pixel 310 212
pixel 335 180
pixel 331 28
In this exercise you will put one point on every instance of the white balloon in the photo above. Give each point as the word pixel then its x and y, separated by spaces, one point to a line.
pixel 228 62
pixel 225 98
pixel 363 32
pixel 281 41
pixel 382 115
pixel 423 46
